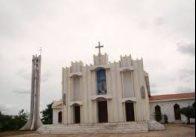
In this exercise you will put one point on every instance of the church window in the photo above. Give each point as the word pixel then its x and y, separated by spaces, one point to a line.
pixel 127 84
pixel 177 112
pixel 142 91
pixel 101 82
pixel 158 115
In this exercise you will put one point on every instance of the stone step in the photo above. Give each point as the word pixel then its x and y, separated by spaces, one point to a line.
pixel 95 128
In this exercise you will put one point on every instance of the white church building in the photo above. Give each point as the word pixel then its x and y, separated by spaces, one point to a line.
pixel 104 92
pixel 112 92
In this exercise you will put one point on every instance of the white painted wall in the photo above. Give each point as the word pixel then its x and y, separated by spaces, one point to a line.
pixel 55 116
pixel 167 107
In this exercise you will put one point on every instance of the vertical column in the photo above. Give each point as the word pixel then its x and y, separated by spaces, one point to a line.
pixel 34 121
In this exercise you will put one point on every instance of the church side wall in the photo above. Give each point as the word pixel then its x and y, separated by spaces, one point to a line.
pixel 167 107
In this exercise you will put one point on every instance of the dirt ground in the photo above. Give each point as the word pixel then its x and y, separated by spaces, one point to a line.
pixel 172 130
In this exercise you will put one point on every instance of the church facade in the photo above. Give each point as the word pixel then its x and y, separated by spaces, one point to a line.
pixel 104 92
pixel 112 97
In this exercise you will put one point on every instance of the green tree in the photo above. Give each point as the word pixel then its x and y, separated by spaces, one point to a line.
pixel 189 112
pixel 21 119
pixel 47 115
pixel 9 122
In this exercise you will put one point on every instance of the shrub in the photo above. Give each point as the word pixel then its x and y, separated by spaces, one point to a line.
pixel 189 112
pixel 165 117
pixel 8 122
pixel 47 115
pixel 158 116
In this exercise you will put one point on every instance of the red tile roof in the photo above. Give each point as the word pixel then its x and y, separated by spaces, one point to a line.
pixel 172 96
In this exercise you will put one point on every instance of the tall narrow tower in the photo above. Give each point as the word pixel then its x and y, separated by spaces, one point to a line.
pixel 34 121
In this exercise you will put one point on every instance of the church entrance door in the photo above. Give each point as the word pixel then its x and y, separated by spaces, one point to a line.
pixel 60 117
pixel 76 114
pixel 129 108
pixel 102 111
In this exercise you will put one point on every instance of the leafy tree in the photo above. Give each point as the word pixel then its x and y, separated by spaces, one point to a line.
pixel 8 122
pixel 47 114
pixel 21 119
pixel 189 112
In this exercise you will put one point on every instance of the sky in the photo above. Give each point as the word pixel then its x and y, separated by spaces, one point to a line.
pixel 162 32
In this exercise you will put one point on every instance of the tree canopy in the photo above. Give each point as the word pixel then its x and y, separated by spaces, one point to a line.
pixel 189 112
pixel 8 122
pixel 47 114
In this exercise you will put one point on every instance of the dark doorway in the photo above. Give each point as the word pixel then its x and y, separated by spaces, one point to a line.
pixel 60 117
pixel 158 115
pixel 129 108
pixel 76 114
pixel 177 112
pixel 102 111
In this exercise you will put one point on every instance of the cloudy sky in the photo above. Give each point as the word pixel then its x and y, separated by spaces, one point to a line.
pixel 160 31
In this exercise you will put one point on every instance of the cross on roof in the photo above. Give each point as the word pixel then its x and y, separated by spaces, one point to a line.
pixel 99 47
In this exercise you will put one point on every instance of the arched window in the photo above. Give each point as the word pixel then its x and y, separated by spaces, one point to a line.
pixel 127 84
pixel 142 92
pixel 158 113
pixel 60 117
pixel 177 112
pixel 101 82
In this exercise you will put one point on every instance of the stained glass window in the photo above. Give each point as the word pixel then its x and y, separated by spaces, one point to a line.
pixel 101 82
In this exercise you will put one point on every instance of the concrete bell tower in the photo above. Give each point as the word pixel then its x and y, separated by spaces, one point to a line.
pixel 34 121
